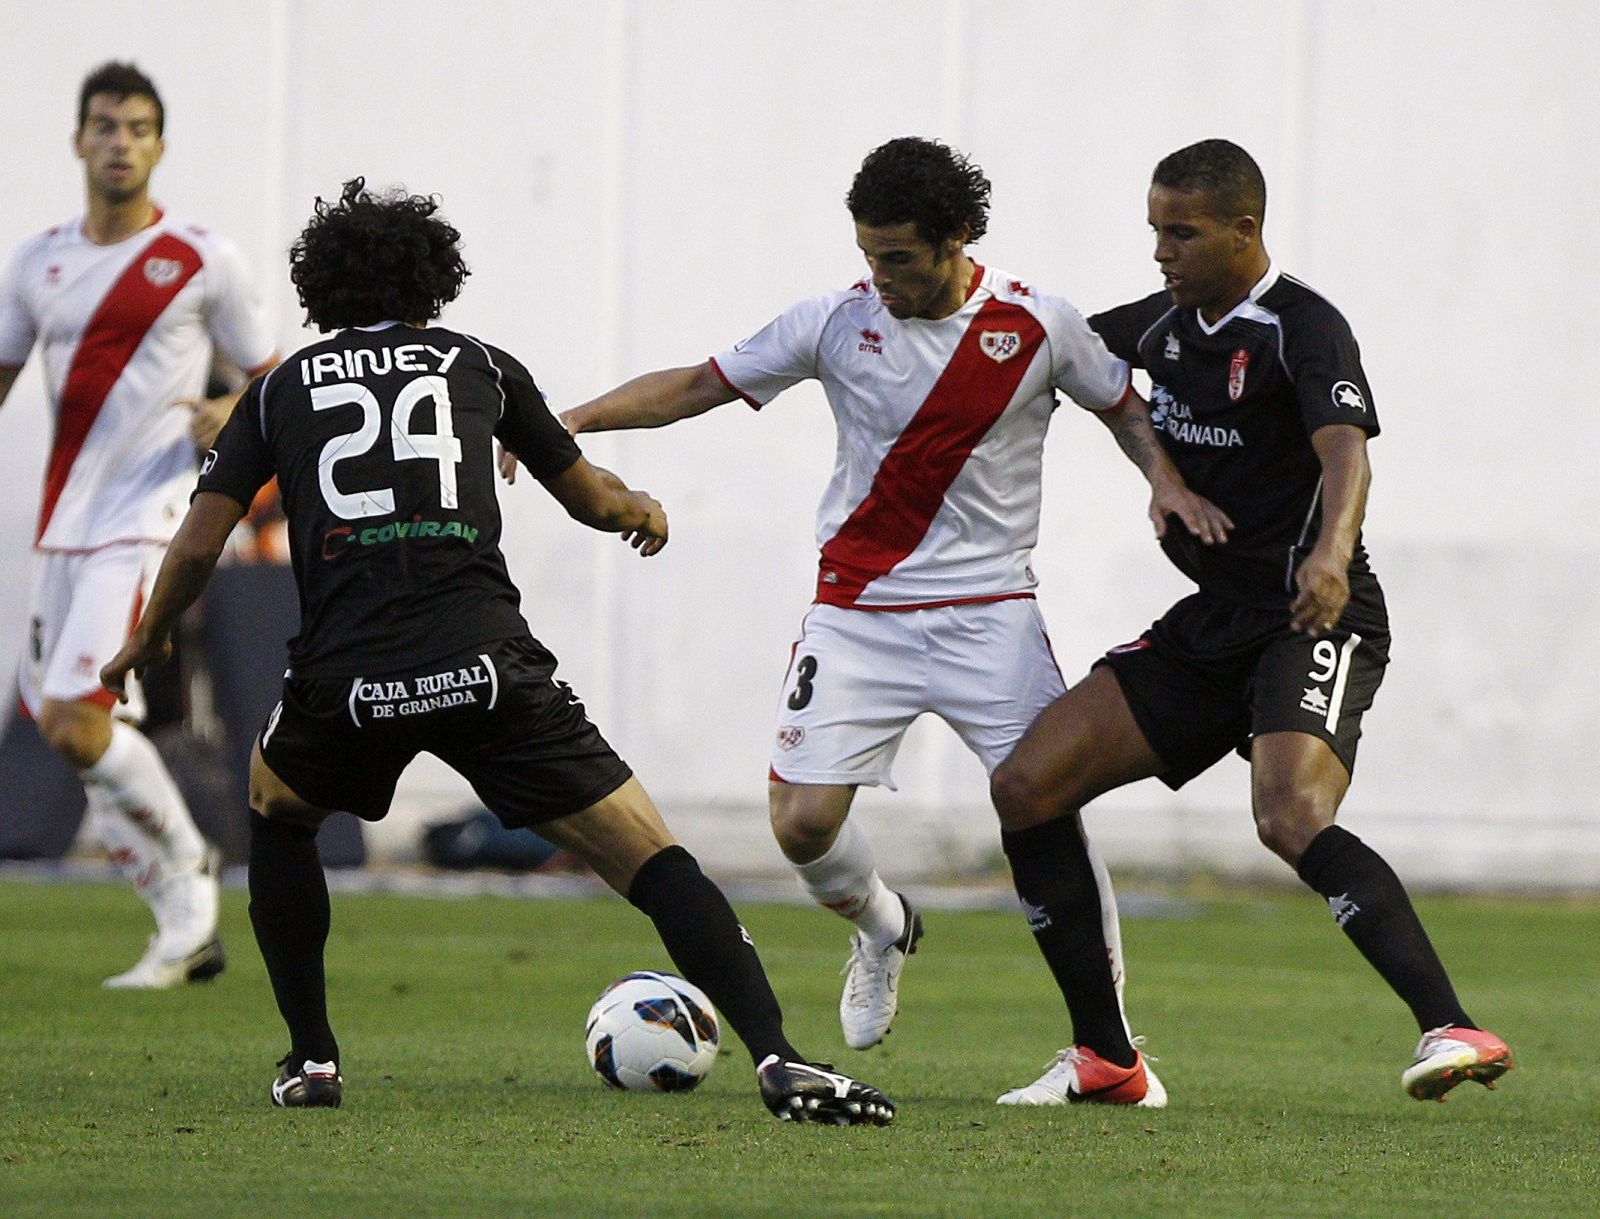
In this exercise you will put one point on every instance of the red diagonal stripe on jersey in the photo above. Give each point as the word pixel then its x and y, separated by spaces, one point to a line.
pixel 140 295
pixel 908 489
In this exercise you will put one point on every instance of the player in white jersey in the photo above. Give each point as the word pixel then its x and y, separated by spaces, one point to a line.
pixel 124 305
pixel 942 376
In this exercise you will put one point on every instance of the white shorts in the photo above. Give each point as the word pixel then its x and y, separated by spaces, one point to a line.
pixel 81 609
pixel 857 678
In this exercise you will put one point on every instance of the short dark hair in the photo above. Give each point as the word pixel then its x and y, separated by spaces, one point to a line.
pixel 921 182
pixel 122 81
pixel 375 257
pixel 1223 170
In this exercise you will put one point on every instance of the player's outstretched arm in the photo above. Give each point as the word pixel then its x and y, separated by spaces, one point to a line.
pixel 1129 423
pixel 1323 579
pixel 600 500
pixel 653 400
pixel 184 574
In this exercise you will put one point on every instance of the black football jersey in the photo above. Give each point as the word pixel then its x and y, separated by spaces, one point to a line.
pixel 1235 405
pixel 382 443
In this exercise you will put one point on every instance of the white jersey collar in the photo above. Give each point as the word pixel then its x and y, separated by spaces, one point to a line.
pixel 1246 305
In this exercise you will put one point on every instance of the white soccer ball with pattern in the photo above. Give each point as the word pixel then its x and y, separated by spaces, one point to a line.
pixel 652 1032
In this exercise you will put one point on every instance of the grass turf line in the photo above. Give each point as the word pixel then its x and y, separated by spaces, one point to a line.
pixel 468 1093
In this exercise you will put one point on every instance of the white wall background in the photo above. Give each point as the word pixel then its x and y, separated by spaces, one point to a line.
pixel 642 182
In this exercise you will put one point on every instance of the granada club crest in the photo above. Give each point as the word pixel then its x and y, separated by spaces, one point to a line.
pixel 162 271
pixel 1000 345
pixel 1236 371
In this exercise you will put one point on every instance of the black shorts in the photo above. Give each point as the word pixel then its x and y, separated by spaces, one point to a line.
pixel 1210 676
pixel 493 714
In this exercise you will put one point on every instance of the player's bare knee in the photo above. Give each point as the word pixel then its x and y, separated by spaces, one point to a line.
pixel 78 737
pixel 286 809
pixel 802 833
pixel 1287 819
pixel 805 821
pixel 1022 798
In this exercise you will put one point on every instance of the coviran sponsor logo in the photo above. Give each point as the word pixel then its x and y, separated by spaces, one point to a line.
pixel 338 541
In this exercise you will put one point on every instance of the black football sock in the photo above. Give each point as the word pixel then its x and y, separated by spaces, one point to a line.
pixel 1370 904
pixel 710 948
pixel 1056 882
pixel 289 911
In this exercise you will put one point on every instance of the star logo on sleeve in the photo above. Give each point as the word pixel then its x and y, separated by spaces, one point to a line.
pixel 1346 394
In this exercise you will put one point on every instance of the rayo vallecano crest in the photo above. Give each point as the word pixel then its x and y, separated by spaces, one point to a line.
pixel 999 345
pixel 162 271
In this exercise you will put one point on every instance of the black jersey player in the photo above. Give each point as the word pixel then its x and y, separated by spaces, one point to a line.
pixel 1258 396
pixel 381 437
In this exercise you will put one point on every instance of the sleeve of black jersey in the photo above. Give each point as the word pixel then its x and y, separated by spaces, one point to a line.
pixel 527 428
pixel 239 464
pixel 1322 357
pixel 1122 328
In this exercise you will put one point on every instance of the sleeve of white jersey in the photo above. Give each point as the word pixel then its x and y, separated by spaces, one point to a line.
pixel 16 321
pixel 1080 365
pixel 782 353
pixel 234 315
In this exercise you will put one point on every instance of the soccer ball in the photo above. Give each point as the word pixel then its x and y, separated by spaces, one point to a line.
pixel 652 1032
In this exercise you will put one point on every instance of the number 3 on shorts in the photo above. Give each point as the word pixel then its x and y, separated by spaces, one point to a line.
pixel 803 689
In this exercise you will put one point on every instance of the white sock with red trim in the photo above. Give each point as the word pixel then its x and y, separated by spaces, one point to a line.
pixel 141 815
pixel 130 848
pixel 844 880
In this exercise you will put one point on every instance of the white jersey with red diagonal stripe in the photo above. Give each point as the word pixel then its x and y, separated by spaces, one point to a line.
pixel 935 493
pixel 125 332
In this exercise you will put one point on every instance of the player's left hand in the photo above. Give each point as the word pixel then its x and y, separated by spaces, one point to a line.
pixel 1199 515
pixel 206 417
pixel 650 537
pixel 1324 584
pixel 136 656
pixel 506 462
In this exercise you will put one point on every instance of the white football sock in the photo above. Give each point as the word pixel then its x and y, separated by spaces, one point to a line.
pixel 1110 923
pixel 844 880
pixel 129 847
pixel 130 784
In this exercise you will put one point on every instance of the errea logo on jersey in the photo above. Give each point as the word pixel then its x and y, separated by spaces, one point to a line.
pixel 871 341
pixel 1000 345
pixel 162 271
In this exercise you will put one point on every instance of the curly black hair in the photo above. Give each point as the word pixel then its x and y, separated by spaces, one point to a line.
pixel 375 258
pixel 921 182
pixel 1220 169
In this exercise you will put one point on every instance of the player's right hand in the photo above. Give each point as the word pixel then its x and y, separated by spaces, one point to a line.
pixel 135 657
pixel 1199 515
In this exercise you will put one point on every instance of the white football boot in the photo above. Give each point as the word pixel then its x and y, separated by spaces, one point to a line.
pixel 1077 1074
pixel 872 983
pixel 185 947
pixel 1449 1056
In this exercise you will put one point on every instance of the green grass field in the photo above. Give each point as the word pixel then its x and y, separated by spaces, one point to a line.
pixel 467 1092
